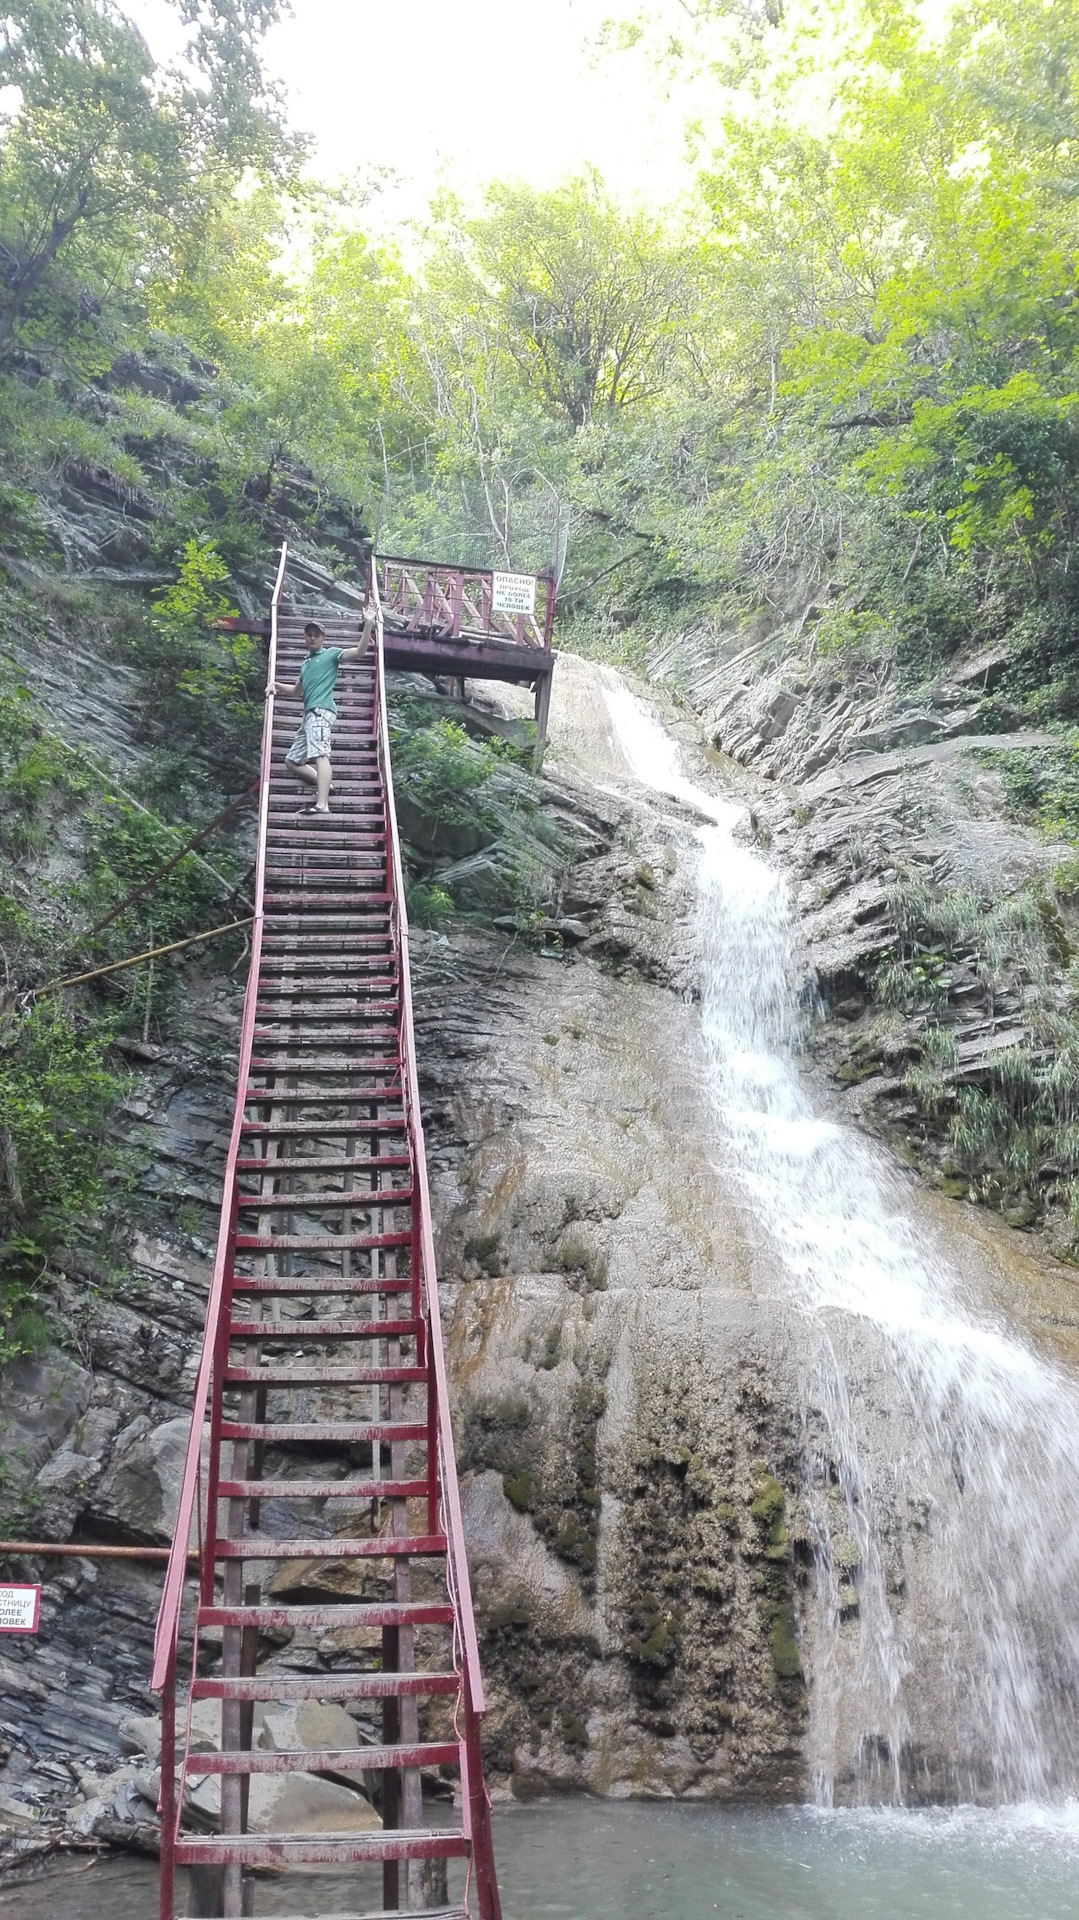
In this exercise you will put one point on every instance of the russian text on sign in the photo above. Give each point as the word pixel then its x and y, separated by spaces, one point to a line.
pixel 19 1609
pixel 513 593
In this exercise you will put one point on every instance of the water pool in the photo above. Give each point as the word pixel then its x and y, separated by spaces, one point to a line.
pixel 591 1860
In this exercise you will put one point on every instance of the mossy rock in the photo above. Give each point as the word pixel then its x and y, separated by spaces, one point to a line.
pixel 577 1255
pixel 517 1488
pixel 955 1189
pixel 511 1613
pixel 769 1502
pixel 485 1250
pixel 786 1657
pixel 574 1731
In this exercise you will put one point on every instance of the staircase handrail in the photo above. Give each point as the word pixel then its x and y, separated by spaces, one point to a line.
pixel 167 1633
pixel 475 1702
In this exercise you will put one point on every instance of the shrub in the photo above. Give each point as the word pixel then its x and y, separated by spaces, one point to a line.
pixel 428 904
pixel 57 1093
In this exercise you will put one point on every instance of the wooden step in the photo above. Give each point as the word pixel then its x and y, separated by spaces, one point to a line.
pixel 330 1433
pixel 322 1489
pixel 390 1162
pixel 308 1129
pixel 326 1096
pixel 370 942
pixel 320 1242
pixel 327 1849
pixel 365 1199
pixel 346 1615
pixel 300 1331
pixel 278 903
pixel 385 1546
pixel 316 1032
pixel 303 1286
pixel 326 1686
pixel 299 1375
pixel 398 1913
pixel 338 1097
pixel 333 1329
pixel 365 1759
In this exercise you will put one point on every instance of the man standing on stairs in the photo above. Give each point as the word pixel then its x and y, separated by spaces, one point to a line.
pixel 309 755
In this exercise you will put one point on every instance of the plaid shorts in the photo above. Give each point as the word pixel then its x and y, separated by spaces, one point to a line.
pixel 312 740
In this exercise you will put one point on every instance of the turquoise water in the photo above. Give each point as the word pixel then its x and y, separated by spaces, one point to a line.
pixel 633 1862
pixel 591 1860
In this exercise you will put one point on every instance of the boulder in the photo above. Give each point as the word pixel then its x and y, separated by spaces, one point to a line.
pixel 290 1803
pixel 313 1723
pixel 480 884
pixel 434 833
pixel 780 712
pixel 286 1802
pixel 141 1490
pixel 41 1401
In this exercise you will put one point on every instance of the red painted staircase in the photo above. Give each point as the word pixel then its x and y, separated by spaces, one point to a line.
pixel 320 1486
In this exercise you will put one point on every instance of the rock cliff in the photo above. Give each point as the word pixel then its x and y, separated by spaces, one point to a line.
pixel 628 1379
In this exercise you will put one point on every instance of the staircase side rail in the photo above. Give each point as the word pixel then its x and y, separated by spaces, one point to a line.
pixel 476 1806
pixel 167 1634
pixel 451 1496
pixel 459 601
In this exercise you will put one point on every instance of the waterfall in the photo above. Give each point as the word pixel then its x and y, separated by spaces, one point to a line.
pixel 941 1452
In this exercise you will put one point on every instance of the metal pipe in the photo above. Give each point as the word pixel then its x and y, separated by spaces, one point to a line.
pixel 152 953
pixel 30 1549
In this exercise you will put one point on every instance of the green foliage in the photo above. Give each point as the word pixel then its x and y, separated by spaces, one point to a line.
pixel 953 937
pixel 40 782
pixel 106 164
pixel 1014 1127
pixel 207 682
pixel 1042 786
pixel 57 1093
pixel 428 904
pixel 445 773
pixel 127 847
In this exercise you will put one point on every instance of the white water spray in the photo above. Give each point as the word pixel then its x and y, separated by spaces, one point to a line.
pixel 942 1637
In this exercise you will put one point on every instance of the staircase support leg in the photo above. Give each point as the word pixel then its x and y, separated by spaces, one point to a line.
pixel 483 1852
pixel 168 1800
pixel 543 710
pixel 391 1734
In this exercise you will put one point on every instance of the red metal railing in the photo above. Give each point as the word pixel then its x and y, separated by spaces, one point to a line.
pixel 192 1507
pixel 197 1507
pixel 449 603
pixel 476 1805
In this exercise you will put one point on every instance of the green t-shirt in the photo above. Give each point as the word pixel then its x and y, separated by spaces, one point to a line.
pixel 318 677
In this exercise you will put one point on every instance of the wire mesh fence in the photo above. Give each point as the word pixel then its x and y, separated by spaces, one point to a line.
pixel 519 524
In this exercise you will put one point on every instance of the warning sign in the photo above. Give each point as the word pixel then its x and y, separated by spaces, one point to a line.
pixel 513 593
pixel 19 1609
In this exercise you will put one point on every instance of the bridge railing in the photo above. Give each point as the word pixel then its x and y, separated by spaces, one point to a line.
pixel 441 602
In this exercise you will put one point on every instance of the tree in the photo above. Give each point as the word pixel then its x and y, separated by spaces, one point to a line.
pixel 594 305
pixel 105 164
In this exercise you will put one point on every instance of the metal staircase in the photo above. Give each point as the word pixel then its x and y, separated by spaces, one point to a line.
pixel 320 1488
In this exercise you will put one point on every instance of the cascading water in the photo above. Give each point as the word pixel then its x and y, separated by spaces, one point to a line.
pixel 942 1626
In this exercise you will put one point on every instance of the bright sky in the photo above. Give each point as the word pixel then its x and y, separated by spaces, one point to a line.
pixel 459 92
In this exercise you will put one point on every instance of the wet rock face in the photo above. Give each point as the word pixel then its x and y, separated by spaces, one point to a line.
pixel 622 1398
pixel 873 793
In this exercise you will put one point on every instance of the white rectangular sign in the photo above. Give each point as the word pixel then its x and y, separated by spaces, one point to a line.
pixel 19 1608
pixel 513 593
